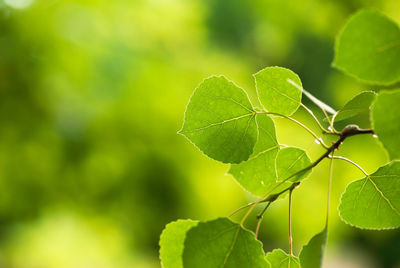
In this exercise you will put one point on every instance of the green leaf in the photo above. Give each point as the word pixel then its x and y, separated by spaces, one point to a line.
pixel 279 259
pixel 360 104
pixel 220 121
pixel 222 243
pixel 374 201
pixel 257 175
pixel 368 48
pixel 171 242
pixel 291 160
pixel 385 113
pixel 279 90
pixel 311 256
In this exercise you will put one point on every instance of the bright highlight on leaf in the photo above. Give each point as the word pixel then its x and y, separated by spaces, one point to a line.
pixel 318 102
pixel 386 121
pixel 276 90
pixel 279 259
pixel 311 256
pixel 171 242
pixel 359 105
pixel 220 121
pixel 368 48
pixel 257 175
pixel 291 160
pixel 374 201
pixel 222 243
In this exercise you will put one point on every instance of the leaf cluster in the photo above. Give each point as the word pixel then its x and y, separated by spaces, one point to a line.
pixel 222 123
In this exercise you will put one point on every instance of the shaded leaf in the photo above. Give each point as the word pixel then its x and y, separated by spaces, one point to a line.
pixel 222 243
pixel 279 259
pixel 291 160
pixel 220 121
pixel 360 104
pixel 171 242
pixel 311 256
pixel 278 90
pixel 257 175
pixel 374 201
pixel 368 48
pixel 385 114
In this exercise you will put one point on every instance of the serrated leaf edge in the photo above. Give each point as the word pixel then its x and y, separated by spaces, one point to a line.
pixel 338 36
pixel 359 227
pixel 163 233
pixel 257 91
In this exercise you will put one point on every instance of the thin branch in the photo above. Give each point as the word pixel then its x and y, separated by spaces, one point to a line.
pixel 270 199
pixel 348 131
pixel 260 217
pixel 239 209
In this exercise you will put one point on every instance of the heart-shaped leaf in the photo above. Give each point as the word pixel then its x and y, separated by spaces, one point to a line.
pixel 368 48
pixel 220 121
pixel 279 90
pixel 373 202
pixel 221 243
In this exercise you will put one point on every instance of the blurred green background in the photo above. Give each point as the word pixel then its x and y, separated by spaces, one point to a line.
pixel 92 94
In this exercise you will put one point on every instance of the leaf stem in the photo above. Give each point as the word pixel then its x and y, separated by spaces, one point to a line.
pixel 323 106
pixel 271 199
pixel 332 129
pixel 352 162
pixel 329 189
pixel 300 124
pixel 314 117
pixel 290 223
pixel 239 209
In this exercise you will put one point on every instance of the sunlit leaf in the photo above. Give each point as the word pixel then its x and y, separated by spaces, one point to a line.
pixel 291 160
pixel 222 243
pixel 279 259
pixel 257 175
pixel 311 256
pixel 368 48
pixel 171 242
pixel 385 114
pixel 374 201
pixel 220 121
pixel 278 90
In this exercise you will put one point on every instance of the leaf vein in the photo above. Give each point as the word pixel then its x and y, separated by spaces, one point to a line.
pixel 216 124
pixel 232 246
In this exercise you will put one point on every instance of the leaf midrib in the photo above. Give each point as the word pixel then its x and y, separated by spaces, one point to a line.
pixel 383 196
pixel 216 124
pixel 231 247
